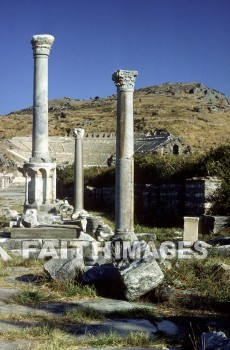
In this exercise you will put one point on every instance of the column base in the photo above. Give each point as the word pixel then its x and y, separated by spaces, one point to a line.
pixel 79 213
pixel 121 235
pixel 41 208
pixel 75 215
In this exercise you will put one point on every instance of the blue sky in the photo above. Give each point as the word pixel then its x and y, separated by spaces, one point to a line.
pixel 164 40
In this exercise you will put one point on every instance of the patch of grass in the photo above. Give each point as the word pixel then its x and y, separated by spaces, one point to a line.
pixel 3 273
pixel 85 315
pixel 114 339
pixel 18 261
pixel 138 312
pixel 54 338
pixel 72 289
pixel 161 233
pixel 54 291
pixel 204 277
pixel 32 296
pixel 44 331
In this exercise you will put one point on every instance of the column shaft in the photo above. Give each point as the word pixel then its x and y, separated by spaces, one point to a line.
pixel 41 47
pixel 78 173
pixel 124 194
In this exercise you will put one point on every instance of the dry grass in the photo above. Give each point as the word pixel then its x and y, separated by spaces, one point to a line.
pixel 181 114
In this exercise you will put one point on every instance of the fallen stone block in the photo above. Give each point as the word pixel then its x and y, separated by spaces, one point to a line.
pixel 30 219
pixel 64 269
pixel 140 277
pixel 103 233
pixel 215 341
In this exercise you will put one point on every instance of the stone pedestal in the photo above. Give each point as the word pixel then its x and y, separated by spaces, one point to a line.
pixel 40 171
pixel 192 227
pixel 40 191
pixel 78 173
pixel 124 198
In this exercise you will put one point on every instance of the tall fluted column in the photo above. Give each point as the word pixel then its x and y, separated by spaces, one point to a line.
pixel 41 49
pixel 78 173
pixel 124 197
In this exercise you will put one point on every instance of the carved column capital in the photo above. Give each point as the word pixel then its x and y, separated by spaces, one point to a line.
pixel 78 133
pixel 42 44
pixel 125 79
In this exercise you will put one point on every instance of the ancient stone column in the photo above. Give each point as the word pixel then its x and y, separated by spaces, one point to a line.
pixel 41 49
pixel 124 196
pixel 78 173
pixel 41 169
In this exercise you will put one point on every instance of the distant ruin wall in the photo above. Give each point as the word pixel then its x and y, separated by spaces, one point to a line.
pixel 162 201
pixel 199 195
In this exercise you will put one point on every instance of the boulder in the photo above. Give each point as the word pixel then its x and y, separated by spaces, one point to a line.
pixel 140 277
pixel 215 341
pixel 64 269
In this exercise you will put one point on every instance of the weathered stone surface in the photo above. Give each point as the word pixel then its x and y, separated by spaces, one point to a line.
pixel 29 219
pixel 92 224
pixel 191 228
pixel 215 341
pixel 214 224
pixel 64 269
pixel 85 237
pixel 167 327
pixel 6 294
pixel 17 344
pixel 104 306
pixel 140 277
pixel 103 233
pixel 122 327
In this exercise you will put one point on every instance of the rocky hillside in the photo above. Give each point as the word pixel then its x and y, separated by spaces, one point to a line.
pixel 198 113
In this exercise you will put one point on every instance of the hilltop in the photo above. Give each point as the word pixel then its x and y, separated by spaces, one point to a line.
pixel 193 110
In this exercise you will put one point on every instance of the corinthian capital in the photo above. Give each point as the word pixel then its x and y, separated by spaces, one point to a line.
pixel 78 133
pixel 125 79
pixel 42 44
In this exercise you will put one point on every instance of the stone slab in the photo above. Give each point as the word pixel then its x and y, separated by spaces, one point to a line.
pixel 9 325
pixel 104 306
pixel 167 327
pixel 43 233
pixel 16 310
pixel 6 294
pixel 17 345
pixel 122 327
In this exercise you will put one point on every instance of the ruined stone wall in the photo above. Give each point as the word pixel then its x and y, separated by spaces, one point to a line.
pixel 163 201
pixel 199 194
